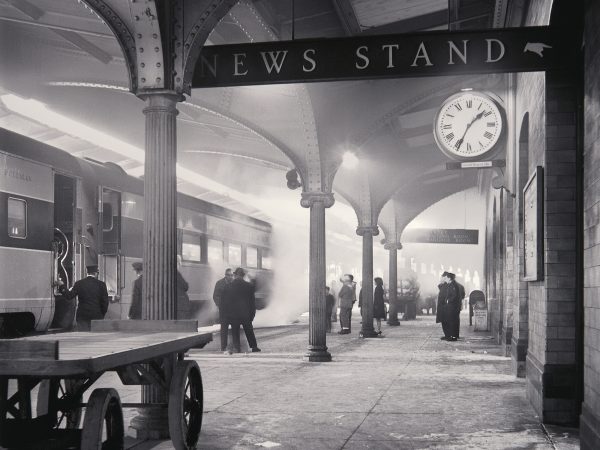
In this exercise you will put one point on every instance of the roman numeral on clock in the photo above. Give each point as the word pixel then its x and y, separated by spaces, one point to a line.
pixel 447 127
pixel 458 106
pixel 468 147
pixel 469 103
pixel 488 135
pixel 487 113
pixel 450 136
pixel 491 124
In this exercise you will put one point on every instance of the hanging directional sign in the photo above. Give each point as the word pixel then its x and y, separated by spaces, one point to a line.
pixel 440 236
pixel 432 53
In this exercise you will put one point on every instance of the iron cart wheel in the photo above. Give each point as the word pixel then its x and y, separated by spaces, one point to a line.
pixel 103 422
pixel 52 397
pixel 185 405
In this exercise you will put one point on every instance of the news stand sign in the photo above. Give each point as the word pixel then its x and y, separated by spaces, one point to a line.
pixel 430 53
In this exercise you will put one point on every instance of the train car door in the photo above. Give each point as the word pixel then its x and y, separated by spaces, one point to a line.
pixel 109 258
pixel 63 247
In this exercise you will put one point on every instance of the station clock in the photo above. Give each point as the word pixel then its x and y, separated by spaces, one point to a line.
pixel 469 126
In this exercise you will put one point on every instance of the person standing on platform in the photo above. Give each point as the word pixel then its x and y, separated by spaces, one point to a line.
pixel 240 309
pixel 360 303
pixel 92 298
pixel 378 303
pixel 135 310
pixel 183 301
pixel 452 307
pixel 461 297
pixel 347 298
pixel 329 302
pixel 440 316
pixel 334 292
pixel 218 294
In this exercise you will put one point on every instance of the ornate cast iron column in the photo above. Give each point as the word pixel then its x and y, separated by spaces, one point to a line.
pixel 367 234
pixel 159 290
pixel 393 248
pixel 160 207
pixel 317 341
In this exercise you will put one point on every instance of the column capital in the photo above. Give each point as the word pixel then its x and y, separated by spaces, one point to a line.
pixel 392 246
pixel 309 198
pixel 372 230
pixel 159 97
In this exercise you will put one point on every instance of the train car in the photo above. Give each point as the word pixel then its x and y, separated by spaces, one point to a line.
pixel 59 213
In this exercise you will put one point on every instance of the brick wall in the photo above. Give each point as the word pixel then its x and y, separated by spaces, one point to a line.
pixel 590 418
pixel 546 308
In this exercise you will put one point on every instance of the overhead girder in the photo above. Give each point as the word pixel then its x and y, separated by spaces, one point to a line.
pixel 251 127
pixel 161 39
pixel 406 210
pixel 423 98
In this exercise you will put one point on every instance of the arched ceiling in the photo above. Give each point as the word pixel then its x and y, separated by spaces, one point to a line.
pixel 59 53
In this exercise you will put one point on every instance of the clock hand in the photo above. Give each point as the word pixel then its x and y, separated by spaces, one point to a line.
pixel 475 119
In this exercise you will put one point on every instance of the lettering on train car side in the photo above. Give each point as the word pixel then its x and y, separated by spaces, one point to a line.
pixel 12 172
pixel 431 53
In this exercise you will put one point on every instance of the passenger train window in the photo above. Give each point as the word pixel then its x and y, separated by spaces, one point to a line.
pixel 215 251
pixel 107 217
pixel 252 257
pixel 266 260
pixel 235 255
pixel 17 218
pixel 191 249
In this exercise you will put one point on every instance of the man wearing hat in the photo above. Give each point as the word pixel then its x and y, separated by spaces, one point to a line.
pixel 452 305
pixel 92 298
pixel 218 293
pixel 239 308
pixel 135 310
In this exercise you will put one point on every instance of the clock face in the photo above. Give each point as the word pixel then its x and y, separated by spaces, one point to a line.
pixel 468 125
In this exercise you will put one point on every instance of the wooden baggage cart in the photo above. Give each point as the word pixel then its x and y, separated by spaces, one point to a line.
pixel 62 367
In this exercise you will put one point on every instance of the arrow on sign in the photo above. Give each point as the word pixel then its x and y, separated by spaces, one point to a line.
pixel 536 47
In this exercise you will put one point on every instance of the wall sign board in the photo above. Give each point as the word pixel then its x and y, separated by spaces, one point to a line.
pixel 440 236
pixel 432 53
pixel 533 226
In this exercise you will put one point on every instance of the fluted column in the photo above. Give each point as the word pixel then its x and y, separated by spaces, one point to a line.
pixel 393 248
pixel 317 327
pixel 160 208
pixel 159 290
pixel 367 234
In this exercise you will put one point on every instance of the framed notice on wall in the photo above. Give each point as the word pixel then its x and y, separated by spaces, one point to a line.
pixel 533 226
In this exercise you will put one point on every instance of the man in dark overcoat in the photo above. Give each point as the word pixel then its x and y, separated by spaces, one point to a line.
pixel 441 304
pixel 329 302
pixel 239 308
pixel 452 307
pixel 218 294
pixel 461 297
pixel 92 298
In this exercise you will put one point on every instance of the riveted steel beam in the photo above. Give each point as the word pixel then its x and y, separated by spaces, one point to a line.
pixel 120 27
pixel 150 58
pixel 347 16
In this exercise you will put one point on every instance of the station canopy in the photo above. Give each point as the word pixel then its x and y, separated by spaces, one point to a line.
pixel 62 68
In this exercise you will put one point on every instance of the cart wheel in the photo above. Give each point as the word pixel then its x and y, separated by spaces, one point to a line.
pixel 50 393
pixel 103 422
pixel 185 405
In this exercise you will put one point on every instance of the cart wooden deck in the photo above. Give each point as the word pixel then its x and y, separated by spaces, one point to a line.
pixel 65 365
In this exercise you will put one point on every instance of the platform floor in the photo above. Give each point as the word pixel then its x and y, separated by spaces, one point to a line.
pixel 407 390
